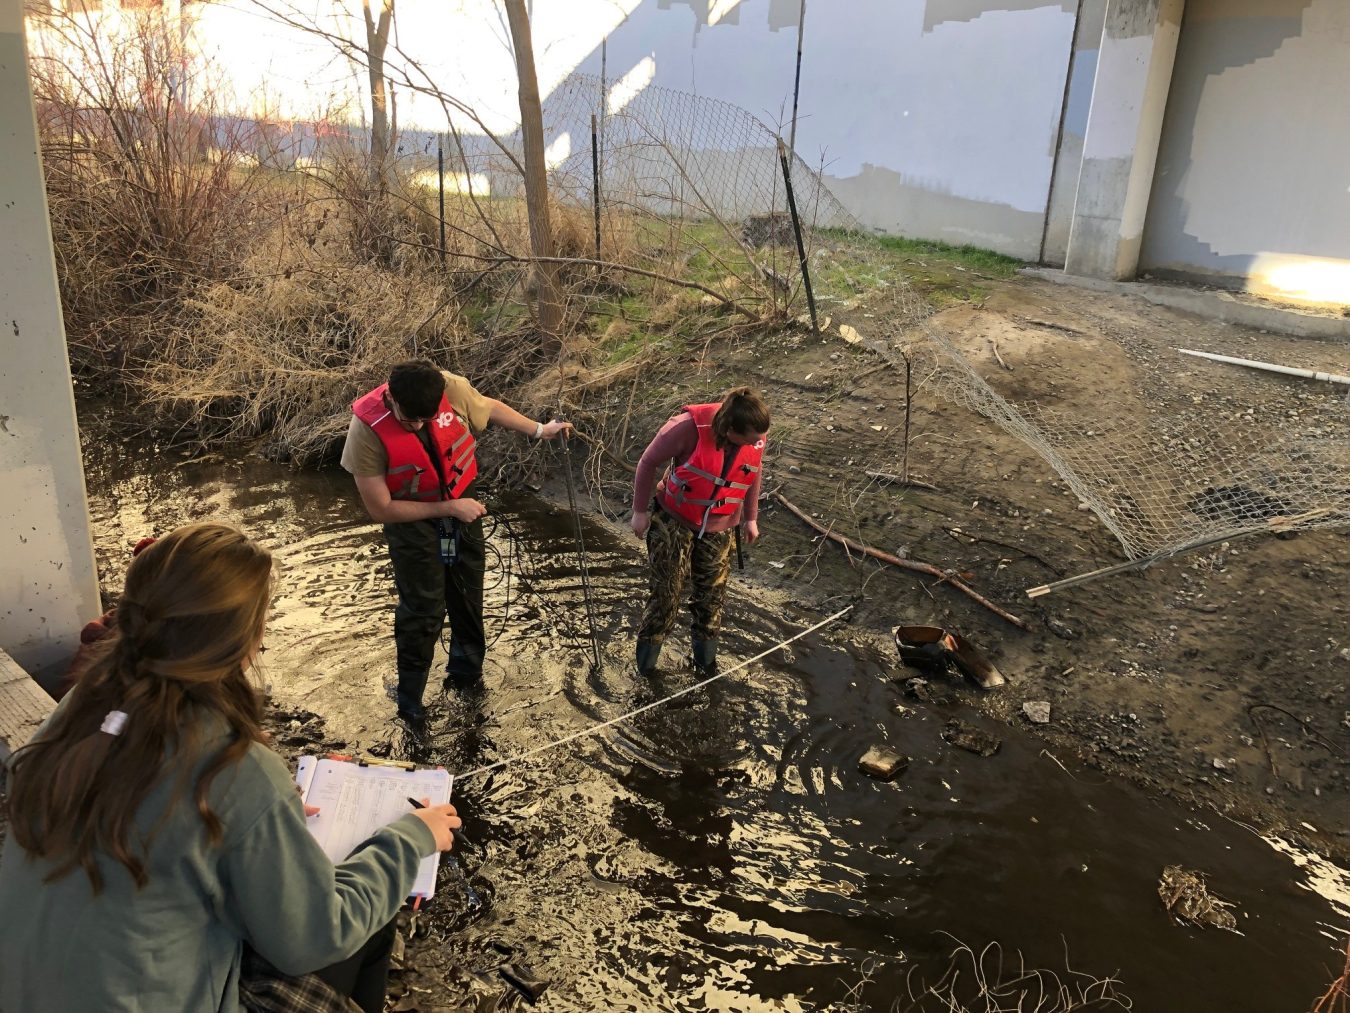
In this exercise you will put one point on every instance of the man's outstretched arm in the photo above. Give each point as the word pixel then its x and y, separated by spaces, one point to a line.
pixel 508 418
pixel 384 509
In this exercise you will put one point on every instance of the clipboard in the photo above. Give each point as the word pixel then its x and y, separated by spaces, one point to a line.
pixel 358 797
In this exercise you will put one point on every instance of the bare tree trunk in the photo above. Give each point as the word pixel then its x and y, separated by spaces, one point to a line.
pixel 377 40
pixel 536 176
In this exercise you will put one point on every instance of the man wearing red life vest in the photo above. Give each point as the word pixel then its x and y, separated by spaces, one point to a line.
pixel 715 453
pixel 410 447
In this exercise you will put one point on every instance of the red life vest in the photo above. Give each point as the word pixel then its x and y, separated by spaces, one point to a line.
pixel 410 473
pixel 700 488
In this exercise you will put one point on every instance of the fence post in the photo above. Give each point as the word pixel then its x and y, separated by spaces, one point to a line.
pixel 797 230
pixel 797 81
pixel 595 184
pixel 440 187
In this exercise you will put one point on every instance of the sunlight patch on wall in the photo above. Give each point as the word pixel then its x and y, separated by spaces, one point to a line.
pixel 631 84
pixel 720 9
pixel 556 153
pixel 1304 279
pixel 455 182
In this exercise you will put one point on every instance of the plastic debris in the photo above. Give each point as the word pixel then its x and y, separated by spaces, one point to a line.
pixel 1189 901
pixel 932 646
pixel 1038 711
pixel 883 762
pixel 524 980
pixel 925 692
pixel 968 737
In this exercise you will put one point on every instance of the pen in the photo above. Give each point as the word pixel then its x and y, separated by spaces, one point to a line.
pixel 458 835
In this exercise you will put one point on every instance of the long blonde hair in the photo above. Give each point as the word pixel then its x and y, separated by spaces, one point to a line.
pixel 188 624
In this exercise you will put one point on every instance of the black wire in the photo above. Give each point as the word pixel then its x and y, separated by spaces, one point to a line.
pixel 504 563
pixel 581 548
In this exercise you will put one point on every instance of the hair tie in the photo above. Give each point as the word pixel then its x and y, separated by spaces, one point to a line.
pixel 114 722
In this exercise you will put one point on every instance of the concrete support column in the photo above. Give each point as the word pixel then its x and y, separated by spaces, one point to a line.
pixel 1129 97
pixel 48 580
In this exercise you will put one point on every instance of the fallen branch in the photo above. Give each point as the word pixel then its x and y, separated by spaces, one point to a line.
pixel 993 343
pixel 904 564
pixel 897 480
pixel 958 534
pixel 1309 729
pixel 1046 323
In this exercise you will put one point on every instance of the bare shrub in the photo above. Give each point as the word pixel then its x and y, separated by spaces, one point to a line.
pixel 151 185
pixel 242 279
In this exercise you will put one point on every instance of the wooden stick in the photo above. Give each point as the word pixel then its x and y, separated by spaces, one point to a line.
pixel 886 477
pixel 904 564
pixel 993 342
pixel 959 533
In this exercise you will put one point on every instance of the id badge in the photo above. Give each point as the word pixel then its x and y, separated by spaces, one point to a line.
pixel 448 542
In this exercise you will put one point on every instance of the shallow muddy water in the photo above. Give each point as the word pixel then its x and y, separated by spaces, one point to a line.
pixel 723 852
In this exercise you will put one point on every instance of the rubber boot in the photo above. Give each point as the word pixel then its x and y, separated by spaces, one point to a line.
pixel 705 655
pixel 647 656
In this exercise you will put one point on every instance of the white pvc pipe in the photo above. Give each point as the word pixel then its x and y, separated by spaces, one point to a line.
pixel 1270 367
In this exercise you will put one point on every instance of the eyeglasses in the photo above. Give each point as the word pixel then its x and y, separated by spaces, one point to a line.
pixel 398 414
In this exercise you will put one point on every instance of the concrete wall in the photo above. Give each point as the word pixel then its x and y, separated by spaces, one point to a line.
pixel 1120 151
pixel 1253 180
pixel 1077 101
pixel 934 118
pixel 48 581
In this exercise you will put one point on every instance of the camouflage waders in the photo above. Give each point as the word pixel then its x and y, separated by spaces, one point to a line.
pixel 676 554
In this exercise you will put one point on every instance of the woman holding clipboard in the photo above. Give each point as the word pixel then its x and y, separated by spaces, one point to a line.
pixel 156 841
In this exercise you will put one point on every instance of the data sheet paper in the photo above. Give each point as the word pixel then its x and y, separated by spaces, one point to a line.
pixel 354 801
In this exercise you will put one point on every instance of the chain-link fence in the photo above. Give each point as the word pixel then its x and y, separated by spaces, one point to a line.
pixel 1172 464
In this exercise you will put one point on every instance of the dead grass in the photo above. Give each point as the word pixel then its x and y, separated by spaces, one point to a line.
pixel 239 282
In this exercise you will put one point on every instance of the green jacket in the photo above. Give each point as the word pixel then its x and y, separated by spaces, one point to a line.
pixel 176 944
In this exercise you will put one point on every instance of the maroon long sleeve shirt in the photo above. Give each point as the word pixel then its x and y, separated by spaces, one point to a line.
pixel 676 442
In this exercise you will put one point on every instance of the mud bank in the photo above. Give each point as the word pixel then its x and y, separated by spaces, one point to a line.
pixel 726 853
pixel 1221 677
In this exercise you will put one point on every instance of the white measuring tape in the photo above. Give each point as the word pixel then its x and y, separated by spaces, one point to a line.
pixel 646 707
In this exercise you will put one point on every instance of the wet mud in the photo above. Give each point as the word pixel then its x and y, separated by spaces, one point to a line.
pixel 724 852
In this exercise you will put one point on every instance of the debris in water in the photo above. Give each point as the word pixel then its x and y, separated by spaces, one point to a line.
pixel 968 737
pixel 883 762
pixel 925 692
pixel 1061 630
pixel 526 982
pixel 1038 711
pixel 1187 899
pixel 933 646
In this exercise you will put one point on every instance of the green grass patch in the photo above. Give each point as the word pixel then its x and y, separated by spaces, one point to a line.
pixel 973 258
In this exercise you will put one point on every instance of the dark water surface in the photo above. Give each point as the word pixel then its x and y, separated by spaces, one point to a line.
pixel 723 852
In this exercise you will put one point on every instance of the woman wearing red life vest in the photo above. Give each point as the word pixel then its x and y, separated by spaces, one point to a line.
pixel 713 454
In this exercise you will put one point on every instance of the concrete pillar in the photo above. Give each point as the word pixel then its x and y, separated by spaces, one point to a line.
pixel 48 581
pixel 1129 97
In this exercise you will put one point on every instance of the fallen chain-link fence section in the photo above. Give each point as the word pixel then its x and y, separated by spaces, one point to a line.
pixel 1165 470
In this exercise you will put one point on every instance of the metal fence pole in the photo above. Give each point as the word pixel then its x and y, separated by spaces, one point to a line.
pixel 440 187
pixel 595 183
pixel 797 230
pixel 797 81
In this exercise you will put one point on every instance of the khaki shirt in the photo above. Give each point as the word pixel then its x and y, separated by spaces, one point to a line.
pixel 364 455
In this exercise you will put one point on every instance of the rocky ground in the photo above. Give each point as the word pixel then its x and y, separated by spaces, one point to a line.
pixel 1219 675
